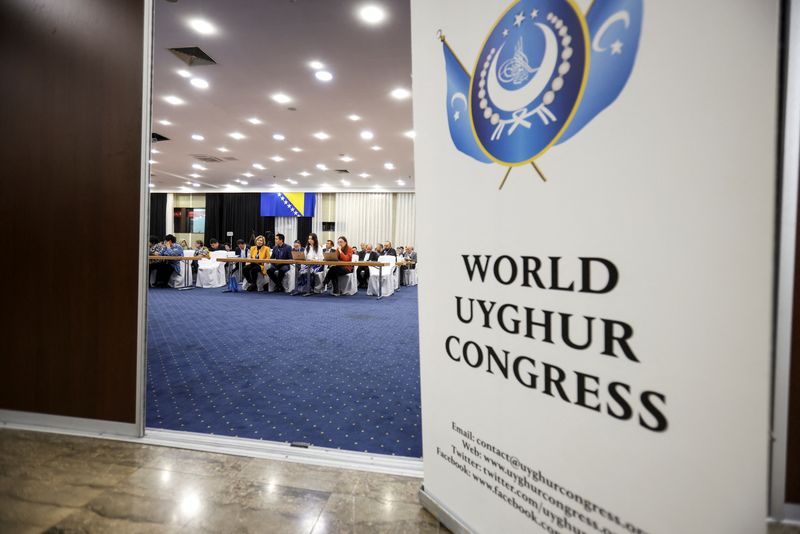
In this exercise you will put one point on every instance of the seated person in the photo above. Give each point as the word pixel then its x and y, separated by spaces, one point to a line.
pixel 345 253
pixel 411 255
pixel 199 251
pixel 297 246
pixel 329 246
pixel 400 253
pixel 184 245
pixel 259 251
pixel 214 245
pixel 241 252
pixel 388 250
pixel 308 278
pixel 276 272
pixel 379 249
pixel 362 273
pixel 164 269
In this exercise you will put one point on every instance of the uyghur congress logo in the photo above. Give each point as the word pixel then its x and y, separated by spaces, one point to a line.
pixel 544 72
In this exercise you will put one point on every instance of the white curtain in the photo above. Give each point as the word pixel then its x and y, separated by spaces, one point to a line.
pixel 286 226
pixel 405 223
pixel 364 217
pixel 316 220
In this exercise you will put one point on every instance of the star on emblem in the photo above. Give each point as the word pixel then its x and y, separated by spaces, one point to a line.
pixel 505 33
pixel 456 115
pixel 616 47
pixel 534 13
pixel 518 19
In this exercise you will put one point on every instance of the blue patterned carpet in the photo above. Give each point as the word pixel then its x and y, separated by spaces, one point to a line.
pixel 333 372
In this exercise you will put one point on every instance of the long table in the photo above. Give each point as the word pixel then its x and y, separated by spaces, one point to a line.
pixel 297 263
pixel 186 284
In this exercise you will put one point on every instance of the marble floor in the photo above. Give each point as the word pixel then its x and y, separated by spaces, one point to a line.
pixel 63 484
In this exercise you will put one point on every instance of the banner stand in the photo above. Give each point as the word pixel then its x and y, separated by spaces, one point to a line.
pixel 442 513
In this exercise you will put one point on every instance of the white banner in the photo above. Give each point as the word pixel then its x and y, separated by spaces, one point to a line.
pixel 595 335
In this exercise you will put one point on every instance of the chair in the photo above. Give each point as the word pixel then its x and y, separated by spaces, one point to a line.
pixel 261 282
pixel 288 281
pixel 348 284
pixel 387 285
pixel 410 277
pixel 210 272
pixel 178 279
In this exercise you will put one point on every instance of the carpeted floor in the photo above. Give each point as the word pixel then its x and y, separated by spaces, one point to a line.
pixel 333 372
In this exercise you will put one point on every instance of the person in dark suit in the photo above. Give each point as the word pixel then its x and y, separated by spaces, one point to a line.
pixel 388 250
pixel 362 274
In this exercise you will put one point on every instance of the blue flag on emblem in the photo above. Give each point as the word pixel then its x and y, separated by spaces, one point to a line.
pixel 614 30
pixel 457 108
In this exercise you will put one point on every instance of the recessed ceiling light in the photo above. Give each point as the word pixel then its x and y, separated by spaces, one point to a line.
pixel 152 162
pixel 400 93
pixel 323 75
pixel 184 73
pixel 276 158
pixel 237 180
pixel 258 166
pixel 372 14
pixel 174 100
pixel 198 167
pixel 198 137
pixel 248 174
pixel 293 182
pixel 152 185
pixel 195 175
pixel 281 98
pixel 200 83
pixel 364 175
pixel 254 120
pixel 316 65
pixel 322 136
pixel 304 173
pixel 345 183
pixel 411 134
pixel 202 26
pixel 165 122
pixel 400 182
pixel 296 149
pixel 223 149
pixel 388 166
pixel 155 151
pixel 346 159
pixel 237 135
pixel 184 188
pixel 275 185
pixel 376 148
pixel 196 185
pixel 278 137
pixel 322 166
pixel 366 135
pixel 189 183
pixel 243 182
pixel 354 117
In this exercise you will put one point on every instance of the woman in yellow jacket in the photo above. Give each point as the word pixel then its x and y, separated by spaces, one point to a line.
pixel 258 252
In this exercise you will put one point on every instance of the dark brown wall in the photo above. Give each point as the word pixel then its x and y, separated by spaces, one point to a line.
pixel 71 97
pixel 793 445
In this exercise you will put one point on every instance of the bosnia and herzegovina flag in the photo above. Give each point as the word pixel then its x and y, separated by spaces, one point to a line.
pixel 615 27
pixel 458 108
pixel 288 204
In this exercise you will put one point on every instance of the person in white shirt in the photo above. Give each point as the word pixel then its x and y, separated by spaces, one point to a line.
pixel 308 273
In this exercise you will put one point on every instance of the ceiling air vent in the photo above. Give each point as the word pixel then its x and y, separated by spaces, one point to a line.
pixel 342 171
pixel 158 137
pixel 193 56
pixel 230 158
pixel 207 159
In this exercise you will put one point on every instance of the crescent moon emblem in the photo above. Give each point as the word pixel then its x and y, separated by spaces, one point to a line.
pixel 458 96
pixel 623 16
pixel 514 100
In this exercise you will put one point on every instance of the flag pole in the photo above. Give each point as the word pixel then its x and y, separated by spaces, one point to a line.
pixel 539 171
pixel 505 177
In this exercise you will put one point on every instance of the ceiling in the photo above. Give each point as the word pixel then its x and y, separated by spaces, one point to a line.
pixel 263 47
